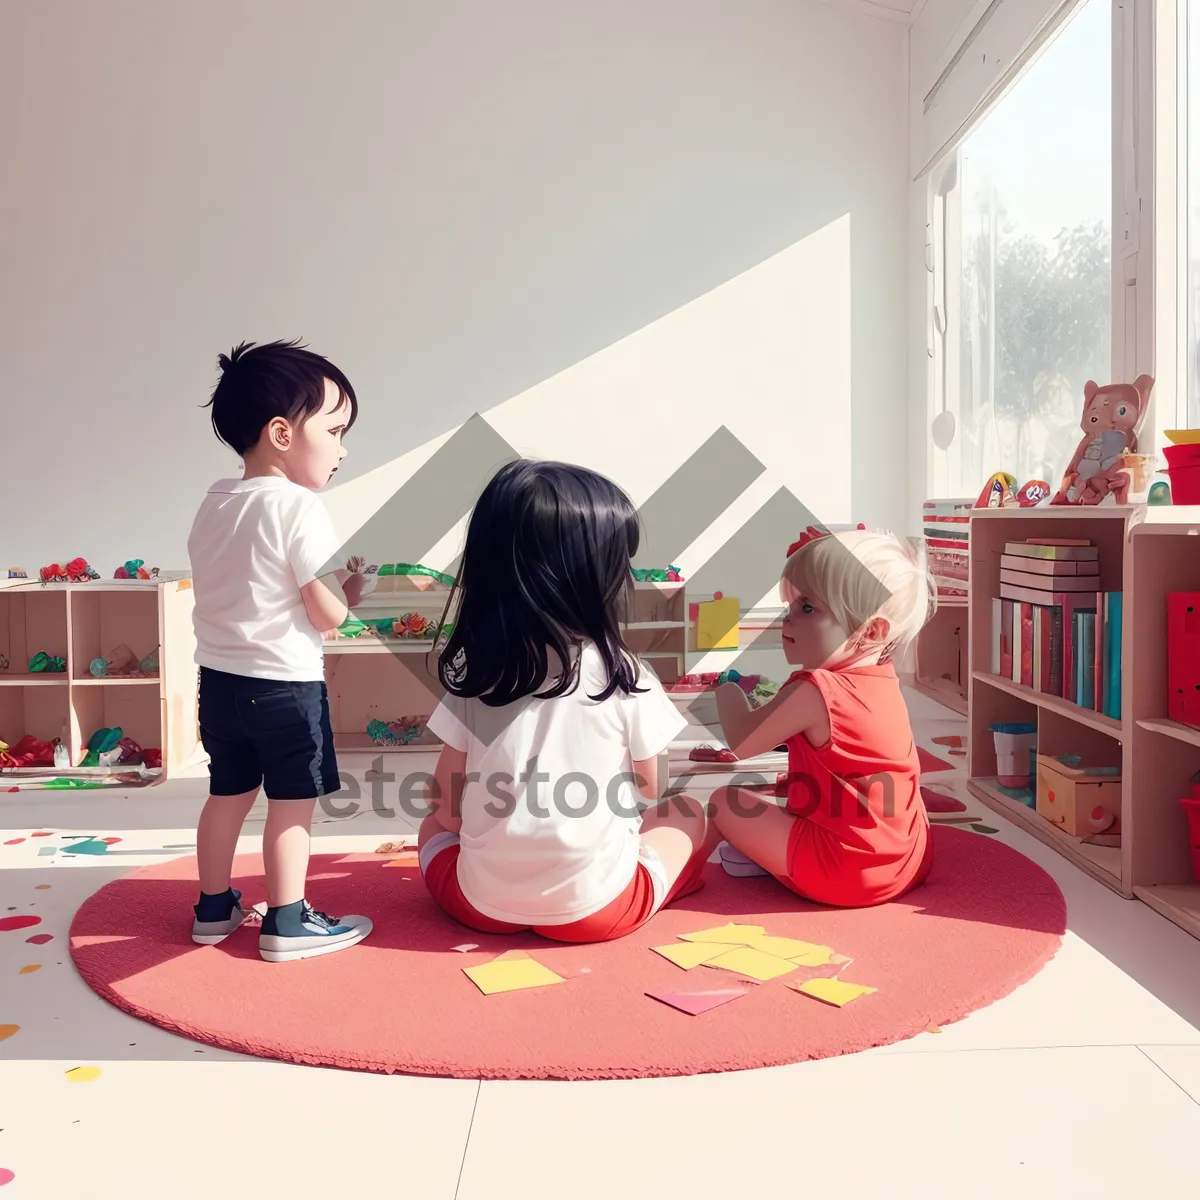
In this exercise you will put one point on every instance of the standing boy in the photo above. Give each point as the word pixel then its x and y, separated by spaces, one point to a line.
pixel 259 550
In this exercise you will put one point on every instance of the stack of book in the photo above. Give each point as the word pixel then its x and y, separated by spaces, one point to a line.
pixel 947 528
pixel 1053 629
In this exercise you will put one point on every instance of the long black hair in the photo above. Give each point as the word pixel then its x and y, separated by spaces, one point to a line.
pixel 546 567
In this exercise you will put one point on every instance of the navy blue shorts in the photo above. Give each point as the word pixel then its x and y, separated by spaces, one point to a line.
pixel 267 732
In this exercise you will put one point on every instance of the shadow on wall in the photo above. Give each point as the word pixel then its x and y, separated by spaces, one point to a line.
pixel 453 202
pixel 738 360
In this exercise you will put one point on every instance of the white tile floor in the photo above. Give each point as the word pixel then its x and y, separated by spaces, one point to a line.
pixel 1084 1082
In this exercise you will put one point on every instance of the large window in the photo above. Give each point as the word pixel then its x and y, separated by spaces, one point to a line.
pixel 1022 315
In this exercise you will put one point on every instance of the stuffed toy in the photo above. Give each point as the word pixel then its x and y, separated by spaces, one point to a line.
pixel 1112 416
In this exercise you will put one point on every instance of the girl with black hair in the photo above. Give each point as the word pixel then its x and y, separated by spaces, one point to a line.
pixel 552 727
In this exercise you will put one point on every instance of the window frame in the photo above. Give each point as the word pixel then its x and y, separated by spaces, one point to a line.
pixel 1149 211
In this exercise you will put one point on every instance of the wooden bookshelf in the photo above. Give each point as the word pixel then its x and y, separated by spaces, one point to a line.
pixel 81 622
pixel 940 655
pixel 1143 554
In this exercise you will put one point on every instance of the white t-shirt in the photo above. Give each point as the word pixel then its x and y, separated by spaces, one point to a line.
pixel 254 544
pixel 561 840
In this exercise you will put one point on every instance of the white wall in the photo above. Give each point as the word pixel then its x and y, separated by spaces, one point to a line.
pixel 674 213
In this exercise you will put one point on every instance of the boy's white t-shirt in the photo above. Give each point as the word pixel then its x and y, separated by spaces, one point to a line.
pixel 254 544
pixel 529 861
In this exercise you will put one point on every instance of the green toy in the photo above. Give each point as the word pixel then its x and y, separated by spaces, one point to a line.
pixel 657 575
pixel 1160 493
pixel 101 742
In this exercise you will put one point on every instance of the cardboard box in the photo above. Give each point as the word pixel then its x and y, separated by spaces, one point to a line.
pixel 1080 800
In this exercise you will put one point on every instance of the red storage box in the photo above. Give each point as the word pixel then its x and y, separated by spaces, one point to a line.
pixel 1183 657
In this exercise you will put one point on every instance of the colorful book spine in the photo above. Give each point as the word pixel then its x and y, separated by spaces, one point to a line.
pixel 1039 628
pixel 1085 678
pixel 1047 669
pixel 1006 638
pixel 1099 650
pixel 997 635
pixel 1026 645
pixel 1113 630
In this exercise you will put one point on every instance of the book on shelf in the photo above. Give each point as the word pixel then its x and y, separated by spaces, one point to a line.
pixel 1066 552
pixel 1053 630
pixel 1085 678
pixel 1058 583
pixel 1113 629
pixel 1055 567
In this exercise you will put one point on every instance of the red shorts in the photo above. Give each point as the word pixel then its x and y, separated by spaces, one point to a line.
pixel 629 911
pixel 824 870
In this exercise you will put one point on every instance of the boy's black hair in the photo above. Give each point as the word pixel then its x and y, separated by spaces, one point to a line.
pixel 278 379
pixel 546 565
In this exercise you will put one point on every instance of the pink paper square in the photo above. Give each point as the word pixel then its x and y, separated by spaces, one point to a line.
pixel 695 1003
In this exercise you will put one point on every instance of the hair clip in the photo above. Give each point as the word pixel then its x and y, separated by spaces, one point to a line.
pixel 811 534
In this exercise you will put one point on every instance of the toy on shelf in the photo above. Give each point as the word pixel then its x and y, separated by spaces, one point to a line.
pixel 1183 657
pixel 409 626
pixel 400 577
pixel 1016 750
pixel 707 681
pixel 103 748
pixel 122 663
pixel 999 492
pixel 17 573
pixel 1110 421
pixel 1033 493
pixel 412 625
pixel 404 732
pixel 28 752
pixel 657 575
pixel 1080 800
pixel 135 568
pixel 50 664
pixel 1160 494
pixel 717 623
pixel 76 571
pixel 711 754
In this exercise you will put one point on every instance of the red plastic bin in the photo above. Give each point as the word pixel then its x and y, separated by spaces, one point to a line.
pixel 1183 468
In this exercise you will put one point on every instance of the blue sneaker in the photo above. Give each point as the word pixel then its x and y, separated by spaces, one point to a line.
pixel 299 931
pixel 217 928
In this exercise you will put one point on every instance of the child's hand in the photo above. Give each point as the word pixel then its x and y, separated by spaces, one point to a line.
pixel 727 693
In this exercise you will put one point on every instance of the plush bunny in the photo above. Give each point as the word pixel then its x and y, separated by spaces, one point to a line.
pixel 1111 417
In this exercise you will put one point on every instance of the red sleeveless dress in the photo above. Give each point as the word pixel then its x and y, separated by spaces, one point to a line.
pixel 862 834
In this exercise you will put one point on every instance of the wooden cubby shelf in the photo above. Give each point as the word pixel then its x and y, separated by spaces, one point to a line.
pixel 81 622
pixel 363 687
pixel 1143 555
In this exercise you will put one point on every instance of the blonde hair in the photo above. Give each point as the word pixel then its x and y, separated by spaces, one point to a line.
pixel 859 575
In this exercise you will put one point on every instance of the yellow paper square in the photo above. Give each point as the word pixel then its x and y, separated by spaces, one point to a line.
pixel 691 954
pixel 818 956
pixel 793 948
pixel 510 975
pixel 754 964
pixel 734 935
pixel 833 991
pixel 717 624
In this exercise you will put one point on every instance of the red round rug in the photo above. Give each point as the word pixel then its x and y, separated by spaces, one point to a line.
pixel 985 922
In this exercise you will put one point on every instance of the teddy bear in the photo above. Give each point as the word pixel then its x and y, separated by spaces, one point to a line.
pixel 1111 417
